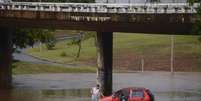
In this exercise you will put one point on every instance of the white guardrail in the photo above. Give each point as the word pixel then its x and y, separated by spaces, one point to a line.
pixel 101 7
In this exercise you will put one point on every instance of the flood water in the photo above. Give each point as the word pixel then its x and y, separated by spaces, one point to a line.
pixel 46 95
pixel 84 95
pixel 76 87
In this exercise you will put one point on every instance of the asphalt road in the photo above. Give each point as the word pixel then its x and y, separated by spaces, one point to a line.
pixel 28 58
pixel 23 56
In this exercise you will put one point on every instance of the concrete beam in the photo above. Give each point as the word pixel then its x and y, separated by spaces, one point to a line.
pixel 180 23
pixel 5 57
pixel 104 61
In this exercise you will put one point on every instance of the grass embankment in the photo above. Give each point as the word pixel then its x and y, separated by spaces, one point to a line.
pixel 130 49
pixel 29 68
pixel 70 51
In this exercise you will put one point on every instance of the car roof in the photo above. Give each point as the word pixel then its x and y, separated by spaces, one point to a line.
pixel 134 88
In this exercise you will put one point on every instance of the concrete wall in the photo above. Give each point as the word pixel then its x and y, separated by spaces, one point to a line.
pixel 138 1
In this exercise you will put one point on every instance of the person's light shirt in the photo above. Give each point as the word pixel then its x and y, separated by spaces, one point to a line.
pixel 95 91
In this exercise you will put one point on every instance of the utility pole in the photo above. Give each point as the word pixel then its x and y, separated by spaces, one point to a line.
pixel 172 54
pixel 142 64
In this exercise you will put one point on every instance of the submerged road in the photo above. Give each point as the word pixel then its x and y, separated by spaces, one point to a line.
pixel 166 87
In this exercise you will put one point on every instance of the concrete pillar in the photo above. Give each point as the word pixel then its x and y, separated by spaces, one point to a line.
pixel 6 95
pixel 104 61
pixel 5 58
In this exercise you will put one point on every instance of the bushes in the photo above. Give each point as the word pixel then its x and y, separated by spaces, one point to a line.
pixel 50 45
pixel 49 39
pixel 63 54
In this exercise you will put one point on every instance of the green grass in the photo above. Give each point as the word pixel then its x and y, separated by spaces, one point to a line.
pixel 123 42
pixel 29 68
pixel 149 42
pixel 87 51
pixel 129 49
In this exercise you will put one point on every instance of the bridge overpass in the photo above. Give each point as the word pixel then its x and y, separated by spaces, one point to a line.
pixel 140 18
pixel 160 18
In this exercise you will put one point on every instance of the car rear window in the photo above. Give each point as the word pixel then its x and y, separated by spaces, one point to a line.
pixel 125 92
pixel 137 93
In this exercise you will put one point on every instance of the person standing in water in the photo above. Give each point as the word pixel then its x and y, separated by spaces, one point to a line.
pixel 95 93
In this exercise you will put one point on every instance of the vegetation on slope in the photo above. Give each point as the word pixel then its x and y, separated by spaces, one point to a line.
pixel 130 49
pixel 30 68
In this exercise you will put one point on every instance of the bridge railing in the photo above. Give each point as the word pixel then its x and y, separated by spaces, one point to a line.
pixel 102 7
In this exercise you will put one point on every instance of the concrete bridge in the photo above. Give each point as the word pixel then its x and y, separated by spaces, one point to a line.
pixel 160 18
pixel 142 18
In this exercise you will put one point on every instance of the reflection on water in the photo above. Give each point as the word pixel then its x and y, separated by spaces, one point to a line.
pixel 70 95
pixel 83 95
pixel 45 95
pixel 178 96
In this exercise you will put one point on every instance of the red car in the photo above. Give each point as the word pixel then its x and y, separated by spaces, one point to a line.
pixel 130 94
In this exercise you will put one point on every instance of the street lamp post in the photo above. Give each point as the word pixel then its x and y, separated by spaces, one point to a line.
pixel 172 54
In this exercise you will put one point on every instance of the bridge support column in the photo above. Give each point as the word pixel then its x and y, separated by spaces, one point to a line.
pixel 5 58
pixel 104 61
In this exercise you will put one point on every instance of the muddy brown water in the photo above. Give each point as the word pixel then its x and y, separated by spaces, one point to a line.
pixel 84 95
pixel 76 87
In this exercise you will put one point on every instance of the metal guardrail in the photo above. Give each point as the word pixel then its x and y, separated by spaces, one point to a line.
pixel 102 7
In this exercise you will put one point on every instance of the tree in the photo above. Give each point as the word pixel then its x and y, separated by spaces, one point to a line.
pixel 197 26
pixel 27 37
pixel 194 1
pixel 79 43
pixel 24 37
pixel 50 40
